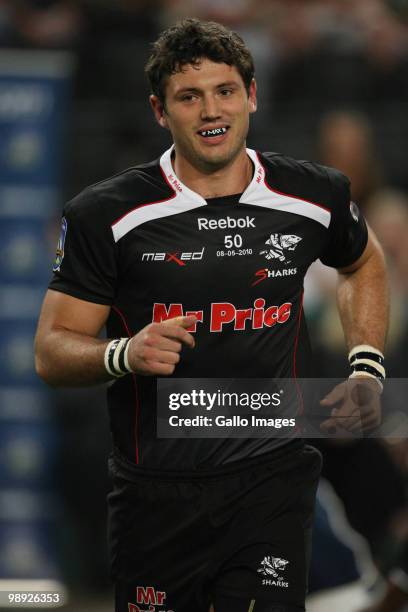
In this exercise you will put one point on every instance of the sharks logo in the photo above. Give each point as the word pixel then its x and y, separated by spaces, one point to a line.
pixel 278 244
pixel 272 565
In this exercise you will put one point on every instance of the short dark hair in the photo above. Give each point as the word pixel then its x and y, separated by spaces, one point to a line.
pixel 190 40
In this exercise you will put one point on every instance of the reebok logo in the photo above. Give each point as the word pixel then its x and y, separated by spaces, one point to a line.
pixel 228 223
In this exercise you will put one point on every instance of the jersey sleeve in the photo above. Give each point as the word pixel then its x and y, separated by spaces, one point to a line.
pixel 348 232
pixel 85 265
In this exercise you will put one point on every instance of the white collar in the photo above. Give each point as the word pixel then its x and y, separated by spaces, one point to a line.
pixel 183 191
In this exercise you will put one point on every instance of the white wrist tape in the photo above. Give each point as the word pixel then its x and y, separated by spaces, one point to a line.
pixel 365 360
pixel 116 357
pixel 365 348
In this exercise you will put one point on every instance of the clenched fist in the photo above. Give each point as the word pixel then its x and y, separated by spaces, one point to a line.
pixel 155 350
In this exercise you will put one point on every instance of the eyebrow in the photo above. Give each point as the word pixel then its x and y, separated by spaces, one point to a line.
pixel 198 90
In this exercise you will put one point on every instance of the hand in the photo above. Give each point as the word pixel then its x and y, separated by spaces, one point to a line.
pixel 155 350
pixel 355 406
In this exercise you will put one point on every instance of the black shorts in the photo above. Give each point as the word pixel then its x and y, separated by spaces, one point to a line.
pixel 179 542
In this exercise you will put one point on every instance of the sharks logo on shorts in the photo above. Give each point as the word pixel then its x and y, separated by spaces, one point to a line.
pixel 272 565
pixel 59 256
pixel 278 244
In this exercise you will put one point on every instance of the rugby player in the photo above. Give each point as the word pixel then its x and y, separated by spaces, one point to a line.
pixel 195 263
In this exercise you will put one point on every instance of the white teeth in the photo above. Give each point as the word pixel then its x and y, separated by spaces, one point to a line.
pixel 214 132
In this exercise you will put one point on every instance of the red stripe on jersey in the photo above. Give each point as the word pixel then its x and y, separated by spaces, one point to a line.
pixel 148 203
pixel 289 195
pixel 137 412
pixel 295 353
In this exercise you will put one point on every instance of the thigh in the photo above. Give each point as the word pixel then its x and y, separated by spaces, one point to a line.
pixel 159 547
pixel 267 553
pixel 272 569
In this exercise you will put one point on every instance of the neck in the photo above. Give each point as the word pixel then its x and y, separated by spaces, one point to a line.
pixel 229 180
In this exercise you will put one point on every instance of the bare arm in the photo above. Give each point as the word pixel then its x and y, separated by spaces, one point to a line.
pixel 362 298
pixel 67 349
pixel 68 352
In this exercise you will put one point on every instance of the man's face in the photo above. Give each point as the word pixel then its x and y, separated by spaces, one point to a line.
pixel 201 98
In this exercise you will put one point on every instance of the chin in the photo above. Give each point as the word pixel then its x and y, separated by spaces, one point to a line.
pixel 212 165
pixel 217 159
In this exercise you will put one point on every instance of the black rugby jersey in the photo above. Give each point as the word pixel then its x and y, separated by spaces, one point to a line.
pixel 151 248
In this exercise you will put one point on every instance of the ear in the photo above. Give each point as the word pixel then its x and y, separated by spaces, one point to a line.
pixel 252 101
pixel 159 111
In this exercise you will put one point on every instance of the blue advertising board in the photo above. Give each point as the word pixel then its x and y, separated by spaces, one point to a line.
pixel 34 101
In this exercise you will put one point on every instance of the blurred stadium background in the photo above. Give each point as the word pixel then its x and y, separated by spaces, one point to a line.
pixel 333 87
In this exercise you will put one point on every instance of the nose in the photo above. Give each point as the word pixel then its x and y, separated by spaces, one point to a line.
pixel 210 108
